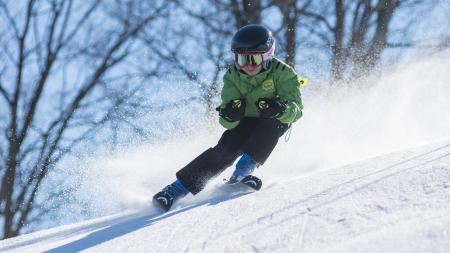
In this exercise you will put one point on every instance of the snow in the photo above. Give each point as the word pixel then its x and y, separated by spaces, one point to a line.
pixel 398 202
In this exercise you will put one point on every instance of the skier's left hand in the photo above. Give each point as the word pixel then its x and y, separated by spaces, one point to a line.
pixel 271 107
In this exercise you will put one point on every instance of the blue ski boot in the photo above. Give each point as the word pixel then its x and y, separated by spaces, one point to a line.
pixel 242 174
pixel 244 167
pixel 164 199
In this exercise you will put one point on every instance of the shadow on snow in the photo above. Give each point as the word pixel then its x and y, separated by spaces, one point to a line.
pixel 124 227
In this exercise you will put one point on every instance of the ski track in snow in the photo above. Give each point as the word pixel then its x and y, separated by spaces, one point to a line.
pixel 343 192
pixel 394 203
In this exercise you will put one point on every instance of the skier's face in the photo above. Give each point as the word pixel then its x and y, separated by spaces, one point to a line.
pixel 252 70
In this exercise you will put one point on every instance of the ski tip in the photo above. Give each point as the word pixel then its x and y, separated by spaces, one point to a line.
pixel 159 206
pixel 252 182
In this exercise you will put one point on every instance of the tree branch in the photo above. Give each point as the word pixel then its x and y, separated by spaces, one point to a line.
pixel 317 17
pixel 10 19
pixel 5 94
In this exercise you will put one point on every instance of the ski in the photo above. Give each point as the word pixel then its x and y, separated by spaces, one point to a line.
pixel 250 181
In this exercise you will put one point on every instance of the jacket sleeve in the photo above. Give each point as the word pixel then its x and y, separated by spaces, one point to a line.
pixel 288 89
pixel 229 92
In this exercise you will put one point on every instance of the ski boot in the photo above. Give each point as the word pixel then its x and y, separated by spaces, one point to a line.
pixel 164 199
pixel 242 174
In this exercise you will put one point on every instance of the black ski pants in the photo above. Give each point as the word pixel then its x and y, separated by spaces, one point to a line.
pixel 255 136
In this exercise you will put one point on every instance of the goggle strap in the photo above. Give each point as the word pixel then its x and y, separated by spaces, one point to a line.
pixel 269 54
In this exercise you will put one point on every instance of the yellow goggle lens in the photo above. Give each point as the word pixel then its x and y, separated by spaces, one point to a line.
pixel 252 59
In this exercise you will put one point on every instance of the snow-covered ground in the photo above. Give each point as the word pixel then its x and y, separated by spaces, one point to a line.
pixel 399 202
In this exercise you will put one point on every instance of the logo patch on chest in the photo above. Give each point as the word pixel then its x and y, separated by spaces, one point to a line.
pixel 268 85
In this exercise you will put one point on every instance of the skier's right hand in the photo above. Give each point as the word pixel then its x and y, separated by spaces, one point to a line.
pixel 233 111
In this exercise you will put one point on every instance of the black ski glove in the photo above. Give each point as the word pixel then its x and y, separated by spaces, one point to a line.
pixel 270 107
pixel 233 111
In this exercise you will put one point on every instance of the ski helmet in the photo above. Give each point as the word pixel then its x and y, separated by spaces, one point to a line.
pixel 253 39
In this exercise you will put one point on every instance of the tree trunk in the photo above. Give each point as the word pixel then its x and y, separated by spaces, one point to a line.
pixel 338 51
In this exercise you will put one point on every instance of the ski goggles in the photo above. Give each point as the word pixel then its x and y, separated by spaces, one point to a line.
pixel 248 59
pixel 253 58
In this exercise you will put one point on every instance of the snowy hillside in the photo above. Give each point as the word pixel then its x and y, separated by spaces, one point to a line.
pixel 398 202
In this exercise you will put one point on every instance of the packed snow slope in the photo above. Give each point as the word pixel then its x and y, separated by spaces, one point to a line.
pixel 399 202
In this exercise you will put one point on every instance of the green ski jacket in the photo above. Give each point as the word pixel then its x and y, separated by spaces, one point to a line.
pixel 278 81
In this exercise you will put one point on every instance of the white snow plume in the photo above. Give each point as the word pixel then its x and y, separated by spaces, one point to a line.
pixel 128 180
pixel 407 106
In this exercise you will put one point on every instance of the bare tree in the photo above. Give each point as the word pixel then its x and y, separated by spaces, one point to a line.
pixel 58 85
pixel 356 31
pixel 289 11
pixel 246 11
pixel 201 48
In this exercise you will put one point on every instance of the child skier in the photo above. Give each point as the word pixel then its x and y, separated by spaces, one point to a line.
pixel 260 99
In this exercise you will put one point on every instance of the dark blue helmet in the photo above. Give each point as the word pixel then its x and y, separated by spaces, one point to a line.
pixel 253 38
